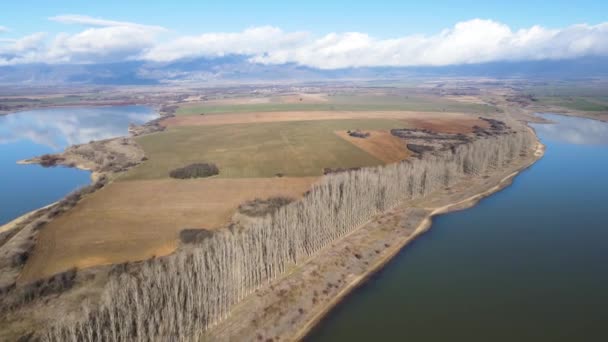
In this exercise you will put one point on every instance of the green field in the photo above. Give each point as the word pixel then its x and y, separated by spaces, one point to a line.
pixel 345 103
pixel 301 148
pixel 588 104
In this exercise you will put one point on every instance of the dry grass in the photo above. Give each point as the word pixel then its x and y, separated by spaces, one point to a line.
pixel 136 220
pixel 380 144
pixel 294 149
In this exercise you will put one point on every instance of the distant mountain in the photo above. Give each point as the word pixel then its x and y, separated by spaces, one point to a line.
pixel 238 68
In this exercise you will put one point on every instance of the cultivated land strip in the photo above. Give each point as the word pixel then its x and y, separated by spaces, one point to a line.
pixel 283 116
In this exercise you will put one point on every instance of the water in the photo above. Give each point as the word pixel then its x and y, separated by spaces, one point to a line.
pixel 32 133
pixel 527 264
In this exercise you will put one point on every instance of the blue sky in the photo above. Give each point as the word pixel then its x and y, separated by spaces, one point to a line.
pixel 315 33
pixel 383 19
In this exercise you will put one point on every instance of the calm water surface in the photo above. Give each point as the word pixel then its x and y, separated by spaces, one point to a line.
pixel 32 133
pixel 527 264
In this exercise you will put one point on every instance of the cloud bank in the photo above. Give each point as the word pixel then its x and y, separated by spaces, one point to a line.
pixel 473 41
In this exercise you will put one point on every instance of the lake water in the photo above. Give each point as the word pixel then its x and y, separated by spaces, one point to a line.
pixel 32 133
pixel 529 263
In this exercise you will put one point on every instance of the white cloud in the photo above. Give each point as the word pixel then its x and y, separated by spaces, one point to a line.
pixel 90 21
pixel 4 29
pixel 23 50
pixel 252 41
pixel 105 41
pixel 473 41
pixel 100 44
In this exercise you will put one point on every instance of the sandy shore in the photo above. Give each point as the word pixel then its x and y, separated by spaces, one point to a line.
pixel 291 306
pixel 12 224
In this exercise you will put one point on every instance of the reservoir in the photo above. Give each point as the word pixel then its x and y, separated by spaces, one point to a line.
pixel 529 263
pixel 28 134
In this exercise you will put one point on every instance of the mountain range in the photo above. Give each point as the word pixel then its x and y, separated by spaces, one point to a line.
pixel 231 69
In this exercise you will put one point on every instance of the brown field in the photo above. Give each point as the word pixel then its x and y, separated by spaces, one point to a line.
pixel 303 98
pixel 439 119
pixel 465 99
pixel 380 144
pixel 136 220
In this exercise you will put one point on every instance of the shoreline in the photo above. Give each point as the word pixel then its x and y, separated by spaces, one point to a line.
pixel 282 310
pixel 95 175
pixel 424 226
pixel 10 225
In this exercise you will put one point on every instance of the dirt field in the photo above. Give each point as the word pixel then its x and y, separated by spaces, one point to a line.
pixel 380 144
pixel 466 99
pixel 135 220
pixel 259 117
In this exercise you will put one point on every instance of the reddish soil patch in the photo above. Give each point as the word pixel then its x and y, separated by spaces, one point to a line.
pixel 380 144
pixel 453 122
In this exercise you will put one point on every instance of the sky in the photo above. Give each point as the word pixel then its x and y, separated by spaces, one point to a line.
pixel 323 34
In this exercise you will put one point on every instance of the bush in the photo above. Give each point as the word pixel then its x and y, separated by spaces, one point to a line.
pixel 198 170
pixel 49 160
pixel 419 148
pixel 194 235
pixel 259 207
pixel 358 134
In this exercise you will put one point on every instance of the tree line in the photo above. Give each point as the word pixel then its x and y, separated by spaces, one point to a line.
pixel 181 296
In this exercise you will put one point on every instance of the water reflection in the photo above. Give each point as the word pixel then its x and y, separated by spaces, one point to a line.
pixel 28 134
pixel 59 128
pixel 574 130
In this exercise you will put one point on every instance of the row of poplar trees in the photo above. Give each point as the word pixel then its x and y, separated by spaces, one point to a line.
pixel 179 297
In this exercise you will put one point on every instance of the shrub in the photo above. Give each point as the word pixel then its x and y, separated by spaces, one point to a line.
pixel 198 170
pixel 419 148
pixel 194 235
pixel 49 160
pixel 262 207
pixel 358 134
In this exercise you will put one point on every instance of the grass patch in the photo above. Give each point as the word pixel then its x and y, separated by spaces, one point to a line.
pixel 344 103
pixel 299 148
